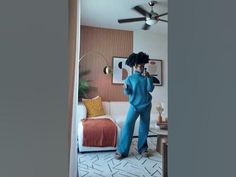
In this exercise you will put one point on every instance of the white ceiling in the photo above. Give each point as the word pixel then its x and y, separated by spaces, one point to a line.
pixel 105 13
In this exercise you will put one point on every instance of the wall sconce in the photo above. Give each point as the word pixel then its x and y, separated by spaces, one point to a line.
pixel 107 69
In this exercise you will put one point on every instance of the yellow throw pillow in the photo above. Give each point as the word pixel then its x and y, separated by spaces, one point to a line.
pixel 94 106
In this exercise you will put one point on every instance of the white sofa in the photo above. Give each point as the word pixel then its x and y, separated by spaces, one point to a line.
pixel 82 113
pixel 117 110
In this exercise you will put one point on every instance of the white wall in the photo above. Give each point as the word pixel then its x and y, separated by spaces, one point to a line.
pixel 155 45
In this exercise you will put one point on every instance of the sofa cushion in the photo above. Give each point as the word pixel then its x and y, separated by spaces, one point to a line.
pixel 106 107
pixel 119 107
pixel 120 120
pixel 94 106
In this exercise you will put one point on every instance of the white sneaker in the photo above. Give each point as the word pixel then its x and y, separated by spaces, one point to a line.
pixel 145 153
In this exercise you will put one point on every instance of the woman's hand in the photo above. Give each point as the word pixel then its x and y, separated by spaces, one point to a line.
pixel 146 74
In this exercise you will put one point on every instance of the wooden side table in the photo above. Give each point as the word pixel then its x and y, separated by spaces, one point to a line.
pixel 162 136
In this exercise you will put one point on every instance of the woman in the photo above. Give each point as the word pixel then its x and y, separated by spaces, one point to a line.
pixel 137 87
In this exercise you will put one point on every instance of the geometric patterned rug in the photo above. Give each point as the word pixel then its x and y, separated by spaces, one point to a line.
pixel 103 164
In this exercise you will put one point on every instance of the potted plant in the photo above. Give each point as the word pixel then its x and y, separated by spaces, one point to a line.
pixel 84 86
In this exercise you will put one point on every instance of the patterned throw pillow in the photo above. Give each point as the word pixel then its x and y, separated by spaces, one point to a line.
pixel 94 106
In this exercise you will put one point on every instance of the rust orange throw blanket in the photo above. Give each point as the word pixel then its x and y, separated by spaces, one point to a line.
pixel 99 132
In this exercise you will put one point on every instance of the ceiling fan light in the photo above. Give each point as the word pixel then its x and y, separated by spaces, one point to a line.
pixel 151 21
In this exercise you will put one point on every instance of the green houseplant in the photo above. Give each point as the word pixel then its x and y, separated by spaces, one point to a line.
pixel 83 85
pixel 83 88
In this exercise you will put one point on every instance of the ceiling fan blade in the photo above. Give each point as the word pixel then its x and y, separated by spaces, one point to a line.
pixel 131 20
pixel 162 14
pixel 163 20
pixel 146 26
pixel 142 11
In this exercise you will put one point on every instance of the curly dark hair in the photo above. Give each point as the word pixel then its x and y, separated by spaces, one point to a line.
pixel 139 58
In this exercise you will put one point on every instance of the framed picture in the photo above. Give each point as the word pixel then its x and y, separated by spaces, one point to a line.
pixel 154 67
pixel 120 70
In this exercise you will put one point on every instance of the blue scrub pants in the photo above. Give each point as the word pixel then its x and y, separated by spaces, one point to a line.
pixel 128 129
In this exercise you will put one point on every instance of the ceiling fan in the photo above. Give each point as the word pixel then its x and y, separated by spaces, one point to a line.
pixel 150 18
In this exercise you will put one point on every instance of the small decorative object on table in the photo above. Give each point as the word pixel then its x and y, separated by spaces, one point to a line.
pixel 160 109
